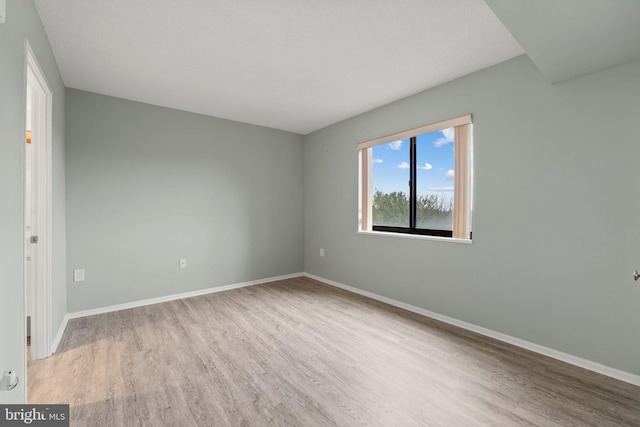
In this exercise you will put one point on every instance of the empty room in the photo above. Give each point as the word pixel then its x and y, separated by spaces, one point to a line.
pixel 279 212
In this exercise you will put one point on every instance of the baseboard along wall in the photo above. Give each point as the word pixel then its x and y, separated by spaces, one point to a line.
pixel 536 348
pixel 158 300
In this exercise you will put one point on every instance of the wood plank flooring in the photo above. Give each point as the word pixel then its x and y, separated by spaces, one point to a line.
pixel 298 352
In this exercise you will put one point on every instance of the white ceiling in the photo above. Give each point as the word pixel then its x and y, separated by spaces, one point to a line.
pixel 296 65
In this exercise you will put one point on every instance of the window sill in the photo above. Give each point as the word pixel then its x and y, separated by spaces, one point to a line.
pixel 416 236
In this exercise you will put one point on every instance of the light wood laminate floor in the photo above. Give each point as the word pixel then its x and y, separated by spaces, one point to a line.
pixel 298 352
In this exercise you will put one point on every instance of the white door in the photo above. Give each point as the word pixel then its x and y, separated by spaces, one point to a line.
pixel 38 209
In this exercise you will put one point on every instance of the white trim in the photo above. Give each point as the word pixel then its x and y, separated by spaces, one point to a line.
pixel 42 124
pixel 546 351
pixel 416 236
pixel 58 337
pixel 434 127
pixel 174 297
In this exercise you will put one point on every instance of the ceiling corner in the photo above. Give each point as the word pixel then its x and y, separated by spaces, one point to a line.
pixel 572 38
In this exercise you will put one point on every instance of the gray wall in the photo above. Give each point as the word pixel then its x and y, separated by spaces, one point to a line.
pixel 23 22
pixel 148 185
pixel 556 221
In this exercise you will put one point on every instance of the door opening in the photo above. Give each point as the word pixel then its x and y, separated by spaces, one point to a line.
pixel 37 207
pixel 29 209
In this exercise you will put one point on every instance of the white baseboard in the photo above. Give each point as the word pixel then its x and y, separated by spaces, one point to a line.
pixel 174 297
pixel 546 351
pixel 151 301
pixel 58 337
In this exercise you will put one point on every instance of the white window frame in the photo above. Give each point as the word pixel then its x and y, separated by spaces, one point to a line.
pixel 463 146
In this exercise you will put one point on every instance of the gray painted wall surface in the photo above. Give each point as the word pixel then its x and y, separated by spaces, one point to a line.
pixel 23 21
pixel 148 185
pixel 556 211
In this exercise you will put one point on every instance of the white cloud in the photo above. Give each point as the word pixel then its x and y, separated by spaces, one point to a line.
pixel 447 137
pixel 377 161
pixel 427 166
pixel 395 145
pixel 450 174
pixel 403 165
pixel 440 188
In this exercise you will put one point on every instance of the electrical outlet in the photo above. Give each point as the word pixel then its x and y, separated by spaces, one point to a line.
pixel 78 275
pixel 321 251
pixel 183 263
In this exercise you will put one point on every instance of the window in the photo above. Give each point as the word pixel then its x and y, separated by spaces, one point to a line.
pixel 418 181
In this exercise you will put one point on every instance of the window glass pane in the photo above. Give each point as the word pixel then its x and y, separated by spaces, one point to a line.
pixel 390 182
pixel 434 176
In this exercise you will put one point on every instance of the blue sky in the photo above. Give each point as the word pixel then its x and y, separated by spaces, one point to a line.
pixel 435 164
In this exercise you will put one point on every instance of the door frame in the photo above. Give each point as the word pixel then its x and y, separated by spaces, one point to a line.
pixel 42 124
